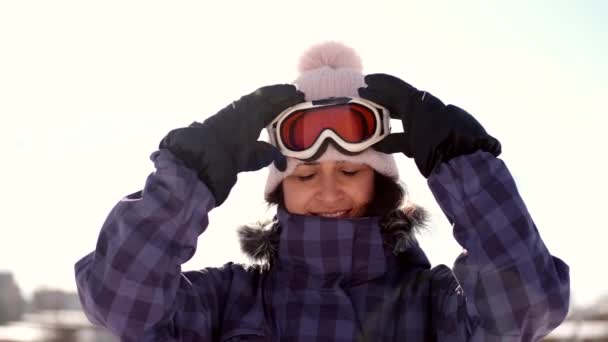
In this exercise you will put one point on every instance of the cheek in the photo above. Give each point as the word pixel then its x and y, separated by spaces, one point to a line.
pixel 362 191
pixel 296 196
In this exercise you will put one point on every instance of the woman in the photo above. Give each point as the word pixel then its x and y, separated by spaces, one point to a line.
pixel 340 262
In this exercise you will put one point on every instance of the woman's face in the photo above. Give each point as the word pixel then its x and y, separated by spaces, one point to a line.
pixel 329 188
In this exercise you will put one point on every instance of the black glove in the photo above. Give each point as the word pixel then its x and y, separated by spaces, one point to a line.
pixel 227 142
pixel 432 132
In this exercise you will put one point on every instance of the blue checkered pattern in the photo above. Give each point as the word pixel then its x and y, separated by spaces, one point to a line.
pixel 333 280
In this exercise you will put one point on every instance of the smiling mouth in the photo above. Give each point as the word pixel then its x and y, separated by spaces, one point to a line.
pixel 334 214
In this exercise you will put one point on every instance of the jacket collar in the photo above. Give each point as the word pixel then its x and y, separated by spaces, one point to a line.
pixel 324 252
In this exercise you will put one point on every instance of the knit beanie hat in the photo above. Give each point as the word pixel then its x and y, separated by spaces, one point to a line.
pixel 332 69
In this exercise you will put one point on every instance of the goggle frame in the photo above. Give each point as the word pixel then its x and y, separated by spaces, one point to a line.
pixel 381 115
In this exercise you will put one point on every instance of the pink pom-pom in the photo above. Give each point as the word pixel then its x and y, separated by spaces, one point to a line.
pixel 332 54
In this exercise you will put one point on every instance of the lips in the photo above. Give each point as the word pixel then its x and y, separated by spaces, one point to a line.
pixel 334 214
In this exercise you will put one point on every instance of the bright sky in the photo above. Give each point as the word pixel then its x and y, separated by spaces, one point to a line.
pixel 88 89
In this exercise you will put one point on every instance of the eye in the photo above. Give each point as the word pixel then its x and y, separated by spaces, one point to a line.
pixel 350 173
pixel 305 177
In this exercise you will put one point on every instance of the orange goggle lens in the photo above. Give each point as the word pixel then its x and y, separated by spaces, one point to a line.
pixel 352 122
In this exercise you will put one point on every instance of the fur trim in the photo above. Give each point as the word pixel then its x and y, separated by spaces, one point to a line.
pixel 260 240
pixel 399 227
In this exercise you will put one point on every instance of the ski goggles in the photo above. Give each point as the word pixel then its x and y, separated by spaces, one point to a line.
pixel 354 124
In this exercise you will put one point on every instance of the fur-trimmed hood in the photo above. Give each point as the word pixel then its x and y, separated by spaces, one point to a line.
pixel 260 240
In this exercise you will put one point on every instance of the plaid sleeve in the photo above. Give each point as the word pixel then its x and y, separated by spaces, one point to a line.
pixel 514 288
pixel 132 283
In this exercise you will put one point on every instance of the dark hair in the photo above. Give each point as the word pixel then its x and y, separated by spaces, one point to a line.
pixel 389 195
pixel 398 222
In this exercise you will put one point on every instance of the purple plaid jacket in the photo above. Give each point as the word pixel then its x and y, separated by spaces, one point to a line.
pixel 333 279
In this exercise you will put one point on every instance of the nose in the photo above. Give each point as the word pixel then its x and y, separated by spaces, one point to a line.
pixel 329 191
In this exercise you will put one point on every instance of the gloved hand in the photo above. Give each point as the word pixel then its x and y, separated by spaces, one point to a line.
pixel 432 132
pixel 227 142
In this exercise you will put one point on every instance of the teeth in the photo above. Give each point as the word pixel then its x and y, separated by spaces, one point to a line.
pixel 334 214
